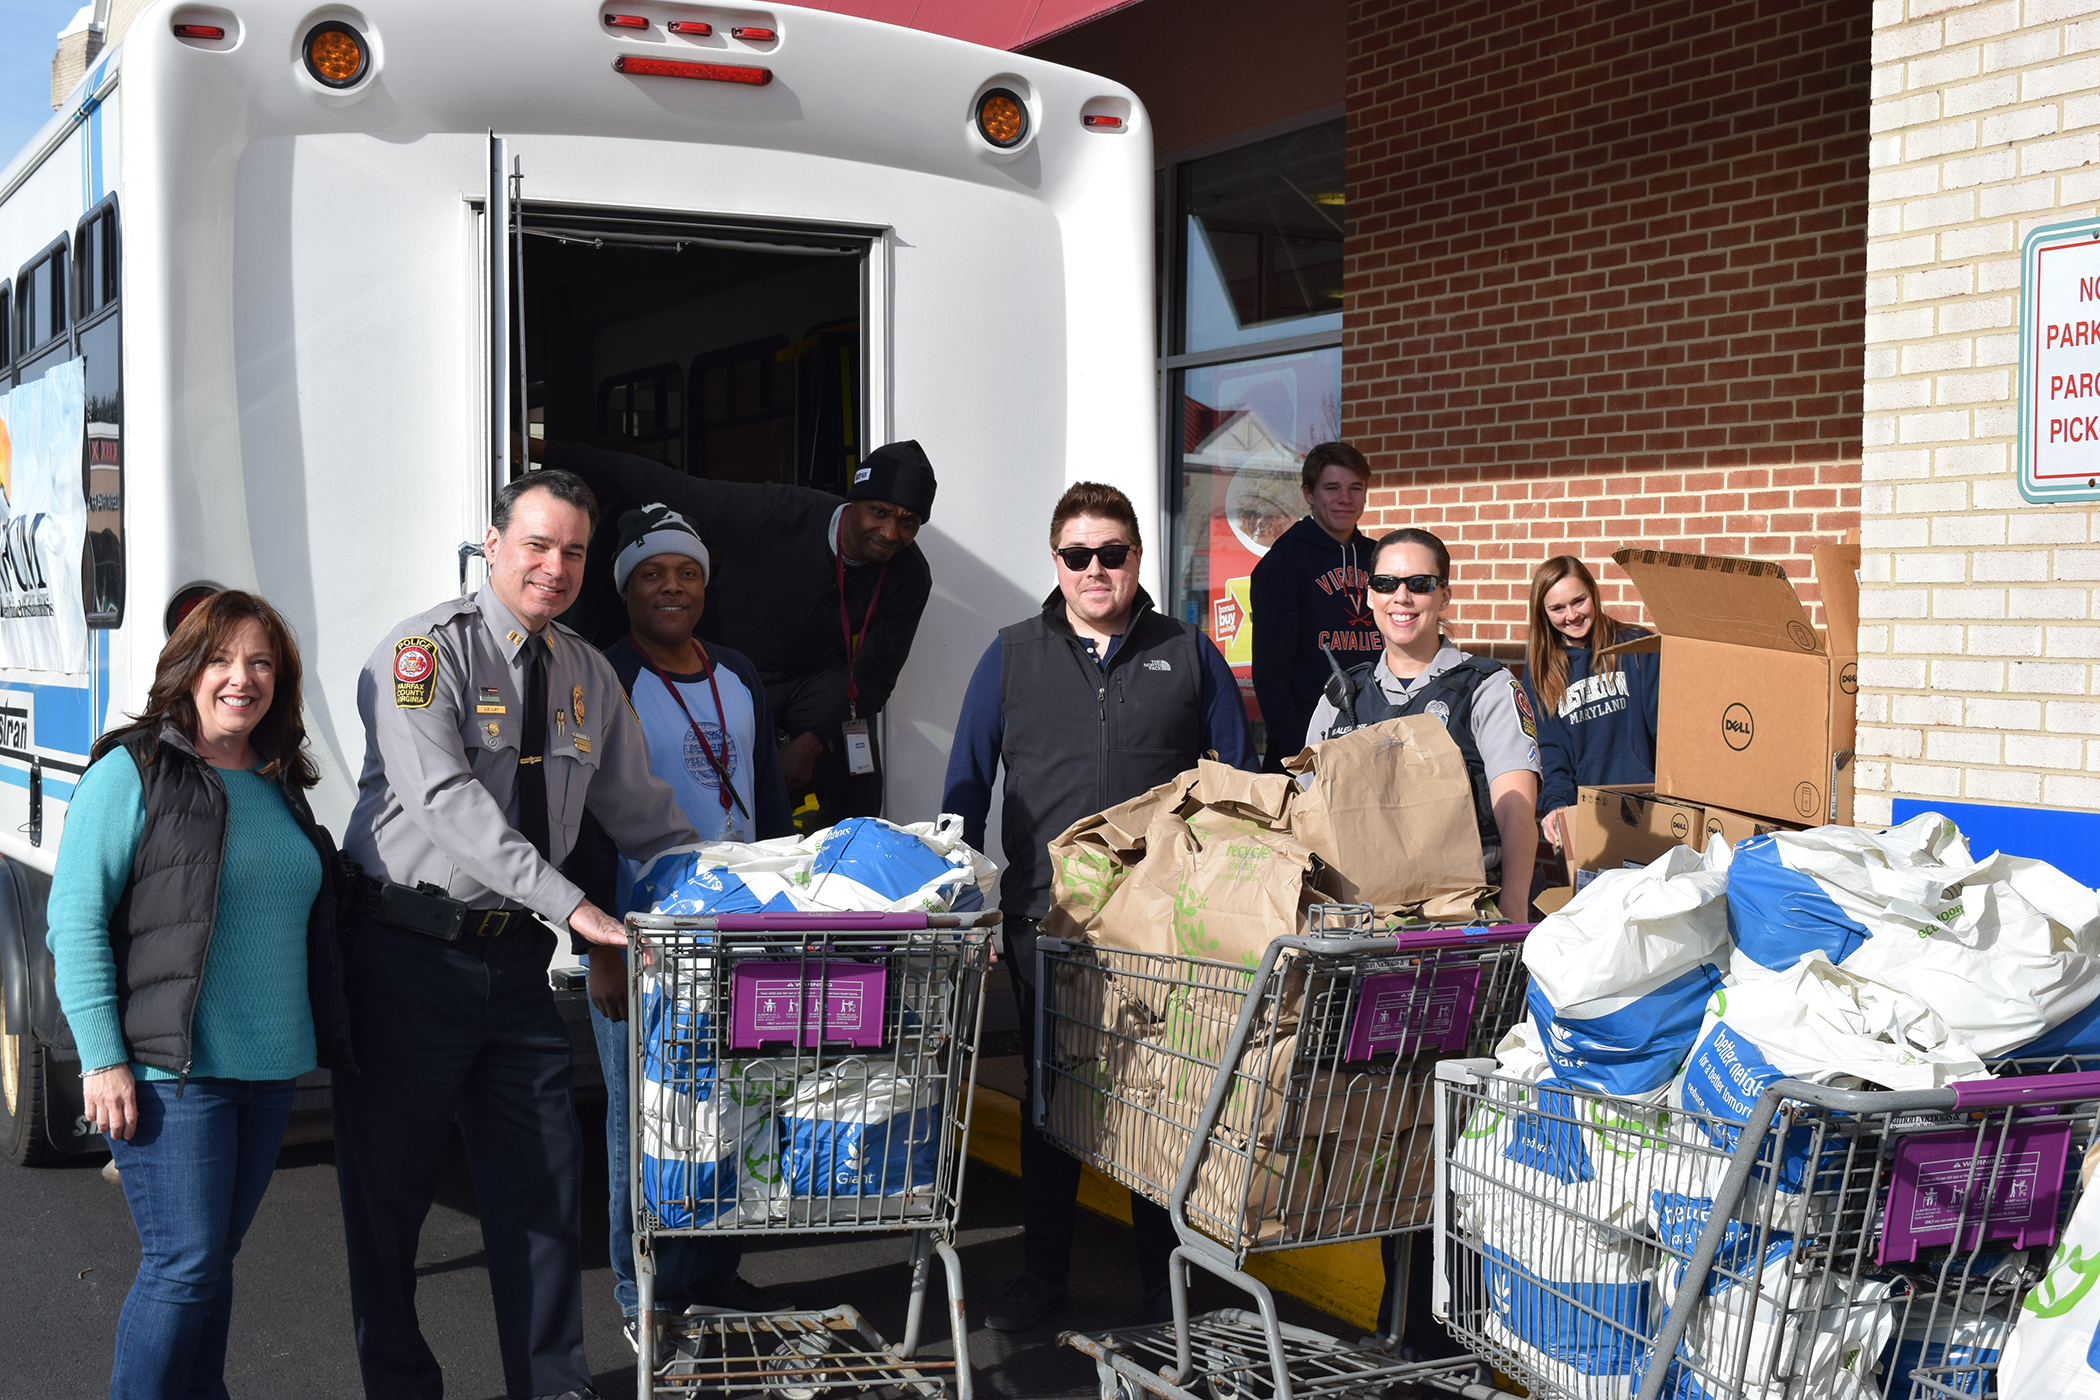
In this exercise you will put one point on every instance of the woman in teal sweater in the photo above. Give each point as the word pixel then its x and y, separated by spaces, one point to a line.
pixel 192 927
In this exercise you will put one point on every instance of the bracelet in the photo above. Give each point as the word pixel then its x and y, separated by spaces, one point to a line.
pixel 91 1073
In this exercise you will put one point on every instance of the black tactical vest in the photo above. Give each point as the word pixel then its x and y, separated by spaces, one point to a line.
pixel 1452 693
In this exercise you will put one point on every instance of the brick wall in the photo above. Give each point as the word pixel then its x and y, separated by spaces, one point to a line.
pixel 1978 627
pixel 1605 263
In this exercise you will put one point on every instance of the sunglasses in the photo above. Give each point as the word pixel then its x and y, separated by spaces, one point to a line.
pixel 1078 556
pixel 1415 583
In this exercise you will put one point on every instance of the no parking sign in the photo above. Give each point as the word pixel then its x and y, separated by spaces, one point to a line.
pixel 2060 363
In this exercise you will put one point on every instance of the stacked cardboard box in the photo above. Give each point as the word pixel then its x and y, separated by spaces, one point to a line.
pixel 1756 716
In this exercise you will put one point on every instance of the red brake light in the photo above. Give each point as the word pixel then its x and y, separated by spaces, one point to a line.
pixel 1105 122
pixel 674 68
pixel 199 31
pixel 626 22
pixel 690 26
pixel 753 36
pixel 184 603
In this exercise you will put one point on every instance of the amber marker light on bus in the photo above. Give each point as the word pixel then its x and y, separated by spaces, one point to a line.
pixel 692 27
pixel 636 65
pixel 199 31
pixel 335 54
pixel 752 35
pixel 1001 119
pixel 626 22
pixel 1101 123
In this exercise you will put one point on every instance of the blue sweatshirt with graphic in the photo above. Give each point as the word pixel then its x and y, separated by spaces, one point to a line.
pixel 1308 589
pixel 1602 734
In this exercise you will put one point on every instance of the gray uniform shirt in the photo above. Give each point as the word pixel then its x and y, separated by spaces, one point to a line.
pixel 1502 725
pixel 442 701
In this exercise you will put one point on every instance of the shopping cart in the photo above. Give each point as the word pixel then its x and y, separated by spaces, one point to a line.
pixel 1836 1243
pixel 802 1074
pixel 1267 1107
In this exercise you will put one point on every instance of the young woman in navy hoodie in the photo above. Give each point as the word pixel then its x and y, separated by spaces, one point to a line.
pixel 1308 591
pixel 1596 715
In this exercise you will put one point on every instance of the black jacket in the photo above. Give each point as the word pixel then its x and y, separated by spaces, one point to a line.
pixel 1305 591
pixel 1081 737
pixel 772 593
pixel 160 931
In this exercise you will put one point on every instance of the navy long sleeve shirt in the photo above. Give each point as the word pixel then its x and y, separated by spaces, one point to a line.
pixel 1603 732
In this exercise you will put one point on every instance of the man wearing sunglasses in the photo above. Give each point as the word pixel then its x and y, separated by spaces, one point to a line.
pixel 1094 700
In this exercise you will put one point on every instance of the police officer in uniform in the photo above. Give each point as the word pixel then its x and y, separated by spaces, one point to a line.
pixel 489 731
pixel 1483 709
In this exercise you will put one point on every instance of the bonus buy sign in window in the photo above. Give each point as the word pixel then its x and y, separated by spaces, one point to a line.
pixel 2060 363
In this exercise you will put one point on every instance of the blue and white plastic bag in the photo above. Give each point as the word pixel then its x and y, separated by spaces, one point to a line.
pixel 696 1135
pixel 1621 975
pixel 863 864
pixel 2054 1353
pixel 855 1129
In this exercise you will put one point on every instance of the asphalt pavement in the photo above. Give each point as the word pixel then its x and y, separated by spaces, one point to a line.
pixel 70 1252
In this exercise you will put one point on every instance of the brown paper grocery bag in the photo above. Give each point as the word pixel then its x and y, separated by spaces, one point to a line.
pixel 1389 811
pixel 1091 857
pixel 1206 892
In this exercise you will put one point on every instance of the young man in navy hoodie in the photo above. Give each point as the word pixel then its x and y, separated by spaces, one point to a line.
pixel 1309 592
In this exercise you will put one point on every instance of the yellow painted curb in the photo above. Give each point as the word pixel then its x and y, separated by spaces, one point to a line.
pixel 1341 1280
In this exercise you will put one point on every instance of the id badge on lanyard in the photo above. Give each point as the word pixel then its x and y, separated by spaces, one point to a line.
pixel 860 748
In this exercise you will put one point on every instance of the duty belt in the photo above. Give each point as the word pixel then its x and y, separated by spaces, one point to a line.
pixel 428 910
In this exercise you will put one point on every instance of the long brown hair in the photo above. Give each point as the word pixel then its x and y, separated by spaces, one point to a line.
pixel 279 737
pixel 1545 653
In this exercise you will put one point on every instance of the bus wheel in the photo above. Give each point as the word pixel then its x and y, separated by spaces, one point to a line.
pixel 23 1064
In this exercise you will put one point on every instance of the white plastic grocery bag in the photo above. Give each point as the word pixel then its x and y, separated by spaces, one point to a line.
pixel 2054 1353
pixel 863 864
pixel 1620 976
pixel 1826 890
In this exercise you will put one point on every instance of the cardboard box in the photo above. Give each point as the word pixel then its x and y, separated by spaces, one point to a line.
pixel 1609 828
pixel 1757 711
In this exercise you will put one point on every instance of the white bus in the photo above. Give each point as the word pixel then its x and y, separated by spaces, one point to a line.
pixel 279 280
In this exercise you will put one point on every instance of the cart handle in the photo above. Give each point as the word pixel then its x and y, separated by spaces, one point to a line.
pixel 785 922
pixel 1409 940
pixel 2031 1089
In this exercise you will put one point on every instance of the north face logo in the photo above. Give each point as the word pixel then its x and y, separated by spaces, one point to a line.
pixel 1155 664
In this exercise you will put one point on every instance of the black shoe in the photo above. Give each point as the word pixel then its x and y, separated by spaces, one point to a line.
pixel 1026 1302
pixel 584 1394
pixel 1159 1303
pixel 739 1295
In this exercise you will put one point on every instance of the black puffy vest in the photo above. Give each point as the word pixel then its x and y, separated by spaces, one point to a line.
pixel 1081 737
pixel 1455 688
pixel 160 931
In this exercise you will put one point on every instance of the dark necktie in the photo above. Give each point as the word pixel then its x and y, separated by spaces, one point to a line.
pixel 532 748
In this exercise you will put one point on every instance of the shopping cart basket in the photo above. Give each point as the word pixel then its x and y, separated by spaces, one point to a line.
pixel 802 1074
pixel 1836 1243
pixel 1267 1107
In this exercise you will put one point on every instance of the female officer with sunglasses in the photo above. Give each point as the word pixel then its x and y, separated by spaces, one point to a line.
pixel 1480 703
pixel 1484 710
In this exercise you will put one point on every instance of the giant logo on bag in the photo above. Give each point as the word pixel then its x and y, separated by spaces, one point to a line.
pixel 1737 727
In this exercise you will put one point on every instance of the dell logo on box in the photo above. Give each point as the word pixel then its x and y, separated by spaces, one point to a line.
pixel 1680 826
pixel 1737 727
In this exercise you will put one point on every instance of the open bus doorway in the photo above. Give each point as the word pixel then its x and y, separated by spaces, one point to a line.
pixel 734 354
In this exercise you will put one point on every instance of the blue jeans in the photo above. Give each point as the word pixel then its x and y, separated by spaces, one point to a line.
pixel 687 1269
pixel 194 1173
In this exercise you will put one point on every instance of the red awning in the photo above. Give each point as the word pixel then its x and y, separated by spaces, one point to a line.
pixel 999 24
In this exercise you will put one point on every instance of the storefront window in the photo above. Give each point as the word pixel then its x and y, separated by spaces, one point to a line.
pixel 1257 258
pixel 1245 428
pixel 1262 247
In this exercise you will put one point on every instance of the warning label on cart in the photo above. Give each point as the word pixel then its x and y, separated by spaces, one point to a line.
pixel 782 1006
pixel 1399 1014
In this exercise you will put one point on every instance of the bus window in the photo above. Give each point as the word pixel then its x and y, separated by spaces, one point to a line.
pixel 645 411
pixel 41 291
pixel 101 346
pixel 744 412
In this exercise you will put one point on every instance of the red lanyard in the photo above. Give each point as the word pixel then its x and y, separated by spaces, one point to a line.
pixel 728 792
pixel 853 643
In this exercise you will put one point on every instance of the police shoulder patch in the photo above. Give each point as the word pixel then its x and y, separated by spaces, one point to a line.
pixel 1524 716
pixel 415 673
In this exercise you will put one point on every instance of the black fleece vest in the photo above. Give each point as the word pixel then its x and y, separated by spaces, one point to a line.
pixel 160 931
pixel 1081 737
pixel 1455 688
